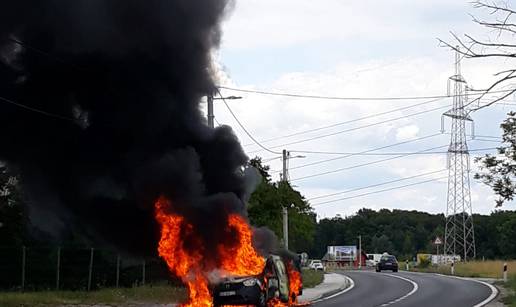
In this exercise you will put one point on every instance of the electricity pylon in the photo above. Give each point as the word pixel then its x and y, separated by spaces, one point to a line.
pixel 459 238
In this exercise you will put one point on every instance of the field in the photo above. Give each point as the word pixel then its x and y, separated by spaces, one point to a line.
pixel 156 294
pixel 487 269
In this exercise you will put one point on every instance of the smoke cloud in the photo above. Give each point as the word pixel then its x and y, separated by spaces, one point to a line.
pixel 119 84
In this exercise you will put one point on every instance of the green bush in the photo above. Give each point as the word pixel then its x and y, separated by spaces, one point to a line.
pixel 424 263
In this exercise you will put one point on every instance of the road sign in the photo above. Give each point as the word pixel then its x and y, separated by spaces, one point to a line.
pixel 438 241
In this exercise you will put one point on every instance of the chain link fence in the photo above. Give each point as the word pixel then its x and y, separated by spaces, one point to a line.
pixel 60 268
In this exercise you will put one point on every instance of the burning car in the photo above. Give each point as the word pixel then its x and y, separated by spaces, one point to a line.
pixel 279 284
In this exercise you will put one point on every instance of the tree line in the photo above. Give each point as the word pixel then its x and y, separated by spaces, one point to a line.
pixel 400 232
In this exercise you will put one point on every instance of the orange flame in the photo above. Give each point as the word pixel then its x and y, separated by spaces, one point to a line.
pixel 295 285
pixel 242 259
pixel 189 264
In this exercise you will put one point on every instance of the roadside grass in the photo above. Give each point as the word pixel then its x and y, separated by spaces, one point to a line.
pixel 147 294
pixel 312 278
pixel 510 299
pixel 483 269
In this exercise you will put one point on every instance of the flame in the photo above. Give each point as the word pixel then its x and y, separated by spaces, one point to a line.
pixel 182 262
pixel 295 285
pixel 239 259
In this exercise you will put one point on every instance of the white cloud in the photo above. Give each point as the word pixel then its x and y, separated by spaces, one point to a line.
pixel 259 25
pixel 406 133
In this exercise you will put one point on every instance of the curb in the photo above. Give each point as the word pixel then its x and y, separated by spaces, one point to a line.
pixel 347 285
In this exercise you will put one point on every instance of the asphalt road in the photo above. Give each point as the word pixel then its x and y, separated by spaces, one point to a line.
pixel 408 289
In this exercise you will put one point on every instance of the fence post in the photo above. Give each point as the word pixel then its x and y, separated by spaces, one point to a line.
pixel 117 269
pixel 143 273
pixel 505 272
pixel 58 268
pixel 23 269
pixel 90 269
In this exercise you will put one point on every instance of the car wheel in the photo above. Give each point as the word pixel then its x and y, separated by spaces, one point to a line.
pixel 395 270
pixel 378 270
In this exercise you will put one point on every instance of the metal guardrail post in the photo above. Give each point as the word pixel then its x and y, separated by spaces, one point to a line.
pixel 24 252
pixel 117 270
pixel 143 273
pixel 58 268
pixel 90 269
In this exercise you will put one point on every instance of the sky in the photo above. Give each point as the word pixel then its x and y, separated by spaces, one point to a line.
pixel 355 49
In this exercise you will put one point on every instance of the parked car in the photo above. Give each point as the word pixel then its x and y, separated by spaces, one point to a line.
pixel 387 262
pixel 256 290
pixel 316 265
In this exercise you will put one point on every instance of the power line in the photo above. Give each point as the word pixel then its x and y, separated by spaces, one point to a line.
pixel 36 110
pixel 352 129
pixel 375 185
pixel 243 128
pixel 361 165
pixel 362 152
pixel 389 153
pixel 346 122
pixel 369 152
pixel 491 141
pixel 295 95
pixel 380 191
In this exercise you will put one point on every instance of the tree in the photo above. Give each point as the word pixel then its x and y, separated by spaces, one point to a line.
pixel 266 204
pixel 499 172
pixel 382 244
pixel 502 45
pixel 496 172
pixel 12 214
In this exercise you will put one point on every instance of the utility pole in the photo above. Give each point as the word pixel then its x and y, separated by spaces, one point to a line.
pixel 284 178
pixel 285 227
pixel 211 116
pixel 284 173
pixel 359 251
pixel 459 238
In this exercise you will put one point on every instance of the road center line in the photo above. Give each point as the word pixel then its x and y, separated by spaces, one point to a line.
pixel 415 287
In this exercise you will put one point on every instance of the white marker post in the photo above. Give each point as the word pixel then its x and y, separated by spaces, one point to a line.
pixel 453 267
pixel 505 272
pixel 406 265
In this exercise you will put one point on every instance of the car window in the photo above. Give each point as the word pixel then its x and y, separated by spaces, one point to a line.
pixel 388 258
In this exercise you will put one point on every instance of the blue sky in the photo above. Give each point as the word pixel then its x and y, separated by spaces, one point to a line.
pixel 365 48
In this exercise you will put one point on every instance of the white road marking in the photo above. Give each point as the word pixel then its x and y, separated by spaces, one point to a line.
pixel 351 286
pixel 494 290
pixel 415 287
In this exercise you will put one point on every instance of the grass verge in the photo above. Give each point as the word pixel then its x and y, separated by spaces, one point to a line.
pixel 147 294
pixel 510 299
pixel 312 278
pixel 486 269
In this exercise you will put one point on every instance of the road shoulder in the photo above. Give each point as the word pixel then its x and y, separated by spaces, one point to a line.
pixel 333 284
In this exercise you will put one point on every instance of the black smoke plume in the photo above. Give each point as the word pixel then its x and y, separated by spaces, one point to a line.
pixel 112 121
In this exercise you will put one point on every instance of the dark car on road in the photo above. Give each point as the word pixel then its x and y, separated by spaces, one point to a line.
pixel 255 290
pixel 387 262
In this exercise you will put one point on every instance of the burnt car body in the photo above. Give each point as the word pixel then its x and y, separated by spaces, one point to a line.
pixel 272 283
pixel 387 262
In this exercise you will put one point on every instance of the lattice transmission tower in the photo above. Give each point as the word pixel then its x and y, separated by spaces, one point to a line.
pixel 459 238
